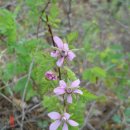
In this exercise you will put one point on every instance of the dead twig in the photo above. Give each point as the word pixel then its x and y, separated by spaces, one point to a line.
pixel 109 116
pixel 67 9
pixel 31 66
pixel 89 126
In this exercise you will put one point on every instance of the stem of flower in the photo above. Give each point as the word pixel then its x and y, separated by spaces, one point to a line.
pixel 50 30
pixel 59 70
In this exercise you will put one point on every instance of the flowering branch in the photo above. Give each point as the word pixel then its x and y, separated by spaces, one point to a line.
pixel 66 90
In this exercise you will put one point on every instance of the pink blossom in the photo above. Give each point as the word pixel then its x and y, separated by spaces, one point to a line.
pixel 61 119
pixel 68 91
pixel 50 75
pixel 62 52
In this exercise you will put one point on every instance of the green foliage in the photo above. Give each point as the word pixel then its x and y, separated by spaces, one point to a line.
pixel 9 72
pixel 43 63
pixel 34 9
pixel 71 37
pixel 52 103
pixel 103 53
pixel 77 112
pixel 117 118
pixel 93 73
pixel 54 11
pixel 7 26
pixel 43 124
pixel 127 114
pixel 78 107
pixel 87 96
pixel 20 85
pixel 69 74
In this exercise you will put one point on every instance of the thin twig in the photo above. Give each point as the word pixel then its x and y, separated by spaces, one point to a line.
pixel 24 92
pixel 90 110
pixel 27 111
pixel 59 71
pixel 108 116
pixel 69 15
pixel 31 66
pixel 51 33
pixel 67 9
pixel 6 97
pixel 89 126
pixel 50 30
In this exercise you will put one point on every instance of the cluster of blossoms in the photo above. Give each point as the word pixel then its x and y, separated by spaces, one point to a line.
pixel 66 90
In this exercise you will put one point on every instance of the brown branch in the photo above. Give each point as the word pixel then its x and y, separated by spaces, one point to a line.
pixel 50 30
pixel 88 126
pixel 108 116
pixel 69 15
pixel 31 67
pixel 51 33
pixel 67 10
pixel 40 17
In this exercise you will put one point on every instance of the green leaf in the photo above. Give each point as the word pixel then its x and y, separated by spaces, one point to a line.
pixel 88 75
pixel 43 63
pixel 30 93
pixel 71 37
pixel 9 72
pixel 19 87
pixel 51 103
pixel 117 119
pixel 93 73
pixel 69 74
pixel 77 113
pixel 54 11
pixel 99 72
pixel 87 96
pixel 8 25
pixel 78 107
pixel 127 112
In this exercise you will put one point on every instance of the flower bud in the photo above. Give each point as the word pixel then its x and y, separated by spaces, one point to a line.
pixel 50 75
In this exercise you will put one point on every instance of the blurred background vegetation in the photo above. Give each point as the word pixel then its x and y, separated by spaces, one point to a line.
pixel 99 29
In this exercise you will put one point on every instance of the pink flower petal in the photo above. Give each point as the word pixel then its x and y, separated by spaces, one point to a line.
pixel 60 62
pixel 58 42
pixel 59 91
pixel 54 54
pixel 75 83
pixel 66 47
pixel 78 91
pixel 54 115
pixel 69 98
pixel 65 127
pixel 55 125
pixel 73 123
pixel 62 83
pixel 67 115
pixel 71 55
